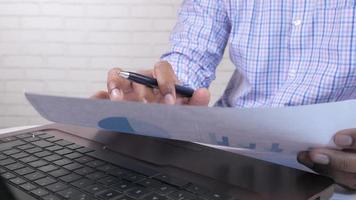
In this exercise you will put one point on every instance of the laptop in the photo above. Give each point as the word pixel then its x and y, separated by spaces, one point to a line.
pixel 66 162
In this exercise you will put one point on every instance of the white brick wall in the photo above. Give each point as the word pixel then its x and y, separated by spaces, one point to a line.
pixel 66 47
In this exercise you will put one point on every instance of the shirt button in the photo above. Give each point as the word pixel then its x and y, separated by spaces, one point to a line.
pixel 297 22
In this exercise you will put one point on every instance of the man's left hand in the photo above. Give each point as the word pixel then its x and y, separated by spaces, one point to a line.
pixel 340 165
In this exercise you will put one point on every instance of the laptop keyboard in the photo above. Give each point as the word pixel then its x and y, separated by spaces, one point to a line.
pixel 50 168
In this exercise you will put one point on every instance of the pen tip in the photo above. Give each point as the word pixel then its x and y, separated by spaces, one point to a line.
pixel 124 74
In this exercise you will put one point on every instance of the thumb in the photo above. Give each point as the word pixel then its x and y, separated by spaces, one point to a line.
pixel 201 97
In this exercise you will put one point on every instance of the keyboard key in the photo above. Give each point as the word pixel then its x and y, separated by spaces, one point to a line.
pixel 7 161
pixel 63 151
pixel 24 171
pixel 84 159
pixel 137 192
pixel 149 183
pixel 38 163
pixel 43 154
pixel 81 196
pixel 2 157
pixel 73 155
pixel 59 173
pixel 39 192
pixel 53 139
pixel 24 135
pixel 133 177
pixel 82 183
pixel 109 180
pixel 118 172
pixel 26 146
pixel 63 143
pixel 125 198
pixel 74 146
pixel 95 163
pixel 107 167
pixel 14 166
pixel 33 150
pixel 11 151
pixel 155 196
pixel 10 145
pixel 94 189
pixel 42 143
pixel 35 175
pixel 55 187
pixel 28 186
pixel 122 186
pixel 171 180
pixel 31 139
pixel 45 136
pixel 84 171
pixel 48 168
pixel 215 196
pixel 197 189
pixel 85 150
pixel 181 195
pixel 96 175
pixel 45 181
pixel 109 194
pixel 70 177
pixel 50 197
pixel 165 189
pixel 52 157
pixel 73 166
pixel 8 139
pixel 17 181
pixel 62 162
pixel 69 193
pixel 54 148
pixel 8 175
pixel 28 159
pixel 19 155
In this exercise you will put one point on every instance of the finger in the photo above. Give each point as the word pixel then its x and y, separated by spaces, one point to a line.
pixel 144 93
pixel 101 95
pixel 140 93
pixel 345 179
pixel 116 85
pixel 201 97
pixel 304 158
pixel 334 159
pixel 346 138
pixel 166 79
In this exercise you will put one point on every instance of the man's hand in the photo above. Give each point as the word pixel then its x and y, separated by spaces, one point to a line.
pixel 120 89
pixel 337 164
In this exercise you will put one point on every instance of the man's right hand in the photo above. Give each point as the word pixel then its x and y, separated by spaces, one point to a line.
pixel 120 89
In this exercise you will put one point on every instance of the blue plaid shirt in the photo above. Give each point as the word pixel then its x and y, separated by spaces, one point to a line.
pixel 286 52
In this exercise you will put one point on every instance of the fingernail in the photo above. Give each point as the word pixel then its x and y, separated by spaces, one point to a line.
pixel 320 159
pixel 343 140
pixel 169 99
pixel 116 93
pixel 303 158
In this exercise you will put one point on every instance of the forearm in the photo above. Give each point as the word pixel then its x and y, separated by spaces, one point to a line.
pixel 198 42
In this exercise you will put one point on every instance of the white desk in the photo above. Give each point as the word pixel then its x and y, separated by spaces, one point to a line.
pixel 338 196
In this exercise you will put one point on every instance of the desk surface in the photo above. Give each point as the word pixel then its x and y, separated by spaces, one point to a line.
pixel 336 196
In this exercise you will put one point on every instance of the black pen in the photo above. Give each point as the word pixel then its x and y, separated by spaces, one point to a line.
pixel 152 83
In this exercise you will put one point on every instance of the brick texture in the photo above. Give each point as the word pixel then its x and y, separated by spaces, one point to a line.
pixel 66 47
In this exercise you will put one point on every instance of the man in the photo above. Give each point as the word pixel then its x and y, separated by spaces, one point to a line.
pixel 286 53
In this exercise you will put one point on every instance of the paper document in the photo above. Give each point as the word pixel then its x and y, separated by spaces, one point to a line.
pixel 280 131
